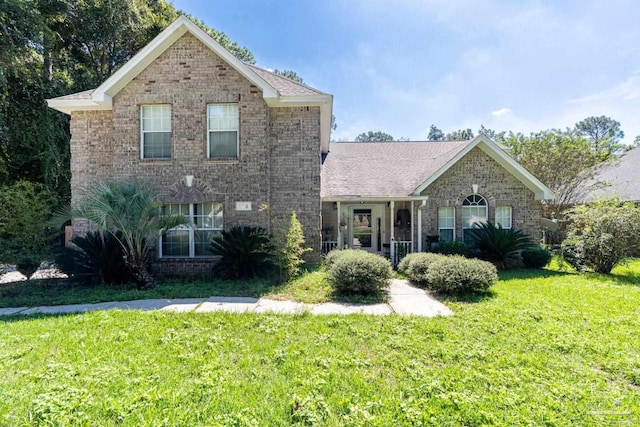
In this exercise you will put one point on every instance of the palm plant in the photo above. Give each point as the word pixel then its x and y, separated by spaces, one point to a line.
pixel 245 252
pixel 129 209
pixel 500 246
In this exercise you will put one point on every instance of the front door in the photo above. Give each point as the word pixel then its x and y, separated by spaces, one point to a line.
pixel 365 229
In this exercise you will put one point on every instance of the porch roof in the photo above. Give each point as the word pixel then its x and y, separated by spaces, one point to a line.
pixel 374 169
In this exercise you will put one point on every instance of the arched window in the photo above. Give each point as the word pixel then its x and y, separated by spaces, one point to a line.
pixel 474 210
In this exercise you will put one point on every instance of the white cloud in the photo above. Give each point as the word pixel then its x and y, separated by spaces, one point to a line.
pixel 501 112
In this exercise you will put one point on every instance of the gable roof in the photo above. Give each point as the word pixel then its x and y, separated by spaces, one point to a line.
pixel 277 91
pixel 621 179
pixel 397 169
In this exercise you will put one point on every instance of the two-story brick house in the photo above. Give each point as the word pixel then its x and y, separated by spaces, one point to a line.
pixel 227 143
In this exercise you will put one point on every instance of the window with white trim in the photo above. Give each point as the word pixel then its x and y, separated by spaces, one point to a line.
pixel 222 131
pixel 155 131
pixel 474 211
pixel 503 216
pixel 184 241
pixel 447 223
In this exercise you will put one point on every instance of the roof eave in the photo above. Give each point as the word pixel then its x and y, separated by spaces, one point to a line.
pixel 67 106
pixel 541 191
pixel 161 43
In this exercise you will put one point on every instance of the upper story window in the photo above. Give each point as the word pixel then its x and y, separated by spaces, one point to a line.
pixel 222 131
pixel 447 223
pixel 474 210
pixel 503 216
pixel 155 131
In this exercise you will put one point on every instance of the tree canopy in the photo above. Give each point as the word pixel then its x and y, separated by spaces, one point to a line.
pixel 372 136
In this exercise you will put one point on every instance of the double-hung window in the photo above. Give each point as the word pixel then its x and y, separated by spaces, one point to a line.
pixel 155 131
pixel 222 131
pixel 191 241
pixel 447 223
pixel 503 216
pixel 474 210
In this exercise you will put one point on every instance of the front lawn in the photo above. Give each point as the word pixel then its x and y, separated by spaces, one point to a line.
pixel 545 348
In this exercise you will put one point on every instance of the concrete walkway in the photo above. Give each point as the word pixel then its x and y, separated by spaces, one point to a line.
pixel 404 299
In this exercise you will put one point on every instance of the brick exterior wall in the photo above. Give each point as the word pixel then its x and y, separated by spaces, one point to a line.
pixel 495 184
pixel 279 156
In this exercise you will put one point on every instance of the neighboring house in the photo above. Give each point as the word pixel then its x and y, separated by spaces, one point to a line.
pixel 227 143
pixel 621 179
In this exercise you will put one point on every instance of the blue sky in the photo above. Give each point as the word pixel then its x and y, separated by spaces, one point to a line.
pixel 399 66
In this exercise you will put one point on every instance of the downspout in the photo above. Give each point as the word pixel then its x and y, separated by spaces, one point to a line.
pixel 422 205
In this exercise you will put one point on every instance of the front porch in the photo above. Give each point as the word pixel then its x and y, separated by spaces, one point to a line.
pixel 391 227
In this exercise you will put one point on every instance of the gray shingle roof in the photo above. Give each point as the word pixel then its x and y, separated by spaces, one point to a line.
pixel 285 86
pixel 78 95
pixel 383 168
pixel 621 178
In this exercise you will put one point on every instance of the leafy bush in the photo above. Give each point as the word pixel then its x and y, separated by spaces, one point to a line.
pixel 536 257
pixel 500 246
pixel 600 235
pixel 245 252
pixel 359 272
pixel 25 236
pixel 403 265
pixel 419 265
pixel 456 274
pixel 96 258
pixel 291 250
pixel 454 247
pixel 333 256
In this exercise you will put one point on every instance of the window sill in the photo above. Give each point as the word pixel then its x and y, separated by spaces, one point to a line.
pixel 221 160
pixel 152 161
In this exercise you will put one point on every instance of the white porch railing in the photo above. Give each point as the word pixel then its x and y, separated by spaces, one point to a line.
pixel 400 249
pixel 328 246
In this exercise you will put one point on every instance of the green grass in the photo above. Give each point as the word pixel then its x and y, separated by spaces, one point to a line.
pixel 311 287
pixel 545 348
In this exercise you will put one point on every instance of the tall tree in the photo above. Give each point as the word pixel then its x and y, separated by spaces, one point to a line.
pixel 460 135
pixel 374 137
pixel 603 133
pixel 560 159
pixel 291 75
pixel 435 134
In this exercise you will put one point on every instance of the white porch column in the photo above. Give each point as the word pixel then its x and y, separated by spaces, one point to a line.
pixel 339 228
pixel 413 248
pixel 392 250
pixel 422 205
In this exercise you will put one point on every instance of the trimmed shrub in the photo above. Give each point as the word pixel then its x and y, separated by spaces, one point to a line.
pixel 457 274
pixel 245 252
pixel 96 258
pixel 454 247
pixel 536 257
pixel 419 266
pixel 359 272
pixel 500 246
pixel 404 264
pixel 334 255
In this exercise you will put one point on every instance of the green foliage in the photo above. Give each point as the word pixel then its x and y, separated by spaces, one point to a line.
pixel 460 135
pixel 291 75
pixel 131 210
pixel 536 257
pixel 333 256
pixel 499 245
pixel 604 134
pixel 359 272
pixel 457 275
pixel 601 234
pixel 290 251
pixel 418 265
pixel 454 247
pixel 245 252
pixel 97 257
pixel 435 134
pixel 372 136
pixel 26 238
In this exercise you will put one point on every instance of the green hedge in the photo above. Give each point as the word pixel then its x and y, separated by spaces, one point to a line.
pixel 537 257
pixel 357 272
pixel 417 266
pixel 457 274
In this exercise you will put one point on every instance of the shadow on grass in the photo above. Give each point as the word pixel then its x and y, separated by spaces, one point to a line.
pixel 627 279
pixel 531 273
pixel 377 298
pixel 468 297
